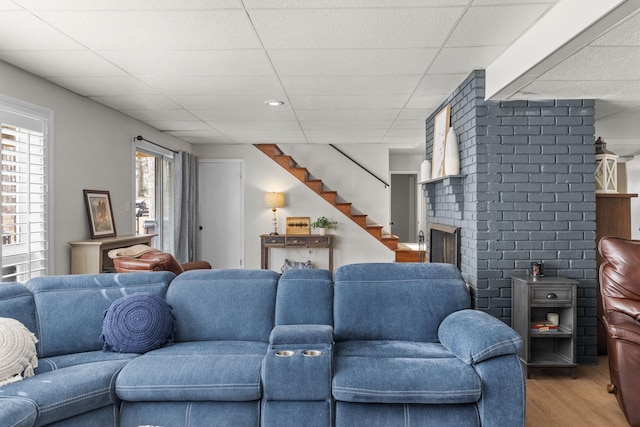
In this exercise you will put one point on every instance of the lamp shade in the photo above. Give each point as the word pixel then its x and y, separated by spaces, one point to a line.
pixel 274 200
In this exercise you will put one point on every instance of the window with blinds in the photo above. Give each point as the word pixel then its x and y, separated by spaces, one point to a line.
pixel 24 195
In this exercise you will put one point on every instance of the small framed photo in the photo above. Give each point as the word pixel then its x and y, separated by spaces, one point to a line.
pixel 441 124
pixel 100 213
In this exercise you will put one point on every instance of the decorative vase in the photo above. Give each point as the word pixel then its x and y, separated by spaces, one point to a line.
pixel 425 170
pixel 322 231
pixel 451 154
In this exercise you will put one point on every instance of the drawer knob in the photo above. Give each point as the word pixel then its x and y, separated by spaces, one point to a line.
pixel 551 295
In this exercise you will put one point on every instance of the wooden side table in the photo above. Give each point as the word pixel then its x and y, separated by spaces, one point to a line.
pixel 533 299
pixel 311 241
pixel 90 256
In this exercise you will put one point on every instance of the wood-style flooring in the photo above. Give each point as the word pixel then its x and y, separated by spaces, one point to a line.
pixel 556 400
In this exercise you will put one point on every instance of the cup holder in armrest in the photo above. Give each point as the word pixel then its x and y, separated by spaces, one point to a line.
pixel 285 353
pixel 312 353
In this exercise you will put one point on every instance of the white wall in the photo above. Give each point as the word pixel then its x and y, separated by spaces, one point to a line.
pixel 633 186
pixel 92 150
pixel 352 243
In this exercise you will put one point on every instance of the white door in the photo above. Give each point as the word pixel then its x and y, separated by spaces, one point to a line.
pixel 221 212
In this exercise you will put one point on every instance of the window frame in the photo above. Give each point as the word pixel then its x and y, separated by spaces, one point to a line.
pixel 21 108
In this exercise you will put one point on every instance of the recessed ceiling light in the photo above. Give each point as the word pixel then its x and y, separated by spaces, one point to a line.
pixel 274 103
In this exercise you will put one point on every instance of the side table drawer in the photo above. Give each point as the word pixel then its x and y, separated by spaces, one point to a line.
pixel 293 242
pixel 273 241
pixel 318 242
pixel 552 295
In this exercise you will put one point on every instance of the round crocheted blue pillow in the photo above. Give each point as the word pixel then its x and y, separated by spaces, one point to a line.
pixel 137 323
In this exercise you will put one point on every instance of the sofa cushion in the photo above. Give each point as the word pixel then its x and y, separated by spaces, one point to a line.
pixel 227 305
pixel 69 308
pixel 18 412
pixel 205 370
pixel 53 363
pixel 17 351
pixel 305 296
pixel 367 298
pixel 16 301
pixel 402 372
pixel 137 323
pixel 67 392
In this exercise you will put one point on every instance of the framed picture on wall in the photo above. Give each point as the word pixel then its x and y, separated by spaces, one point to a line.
pixel 100 213
pixel 441 124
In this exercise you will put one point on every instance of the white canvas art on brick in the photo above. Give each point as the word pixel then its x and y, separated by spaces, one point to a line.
pixel 18 356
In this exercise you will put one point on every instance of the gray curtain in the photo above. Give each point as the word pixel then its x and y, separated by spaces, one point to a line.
pixel 186 206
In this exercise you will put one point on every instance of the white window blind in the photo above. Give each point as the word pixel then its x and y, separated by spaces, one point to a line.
pixel 25 239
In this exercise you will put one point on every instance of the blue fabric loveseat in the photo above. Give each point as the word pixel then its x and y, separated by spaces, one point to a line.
pixel 381 345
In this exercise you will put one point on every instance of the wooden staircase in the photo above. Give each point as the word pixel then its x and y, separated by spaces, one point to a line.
pixel 331 196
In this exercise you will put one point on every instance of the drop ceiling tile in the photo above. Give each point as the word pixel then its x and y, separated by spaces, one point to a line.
pixel 254 125
pixel 409 124
pixel 172 125
pixel 495 25
pixel 104 86
pixel 415 113
pixel 346 125
pixel 62 63
pixel 587 89
pixel 212 102
pixel 350 85
pixel 245 115
pixel 353 28
pixel 154 30
pixel 511 2
pixel 323 4
pixel 597 63
pixel 191 63
pixel 137 102
pixel 625 34
pixel 127 4
pixel 426 101
pixel 201 136
pixel 148 115
pixel 416 133
pixel 345 133
pixel 266 133
pixel 8 5
pixel 268 87
pixel 352 102
pixel 440 83
pixel 347 115
pixel 22 31
pixel 344 140
pixel 351 62
pixel 464 59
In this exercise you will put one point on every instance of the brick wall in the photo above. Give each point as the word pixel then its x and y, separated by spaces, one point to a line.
pixel 527 194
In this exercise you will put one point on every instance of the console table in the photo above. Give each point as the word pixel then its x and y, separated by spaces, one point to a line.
pixel 90 256
pixel 268 241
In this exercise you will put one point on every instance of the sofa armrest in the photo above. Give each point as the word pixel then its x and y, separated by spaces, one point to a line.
pixel 621 326
pixel 301 334
pixel 474 336
pixel 131 265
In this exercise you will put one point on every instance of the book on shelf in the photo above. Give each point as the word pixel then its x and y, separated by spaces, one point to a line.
pixel 543 326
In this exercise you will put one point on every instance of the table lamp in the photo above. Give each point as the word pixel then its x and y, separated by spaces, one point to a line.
pixel 274 200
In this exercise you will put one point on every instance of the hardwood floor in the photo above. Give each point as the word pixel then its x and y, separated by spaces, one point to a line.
pixel 556 400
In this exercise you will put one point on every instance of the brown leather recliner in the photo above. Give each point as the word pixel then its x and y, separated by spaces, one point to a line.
pixel 156 261
pixel 619 279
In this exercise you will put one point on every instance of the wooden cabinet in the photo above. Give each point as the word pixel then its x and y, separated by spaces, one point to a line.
pixel 269 241
pixel 91 256
pixel 534 299
pixel 613 218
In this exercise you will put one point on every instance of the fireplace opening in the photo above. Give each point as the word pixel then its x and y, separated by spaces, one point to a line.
pixel 444 244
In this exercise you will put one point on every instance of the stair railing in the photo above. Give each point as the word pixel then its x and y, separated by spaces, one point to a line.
pixel 362 167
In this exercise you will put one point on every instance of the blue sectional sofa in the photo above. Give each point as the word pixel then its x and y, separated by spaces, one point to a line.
pixel 379 345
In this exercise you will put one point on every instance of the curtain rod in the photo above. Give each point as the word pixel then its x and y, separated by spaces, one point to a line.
pixel 140 138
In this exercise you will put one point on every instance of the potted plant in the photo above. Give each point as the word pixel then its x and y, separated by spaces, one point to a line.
pixel 323 224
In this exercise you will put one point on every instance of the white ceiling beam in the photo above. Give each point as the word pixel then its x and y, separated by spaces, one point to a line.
pixel 566 28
